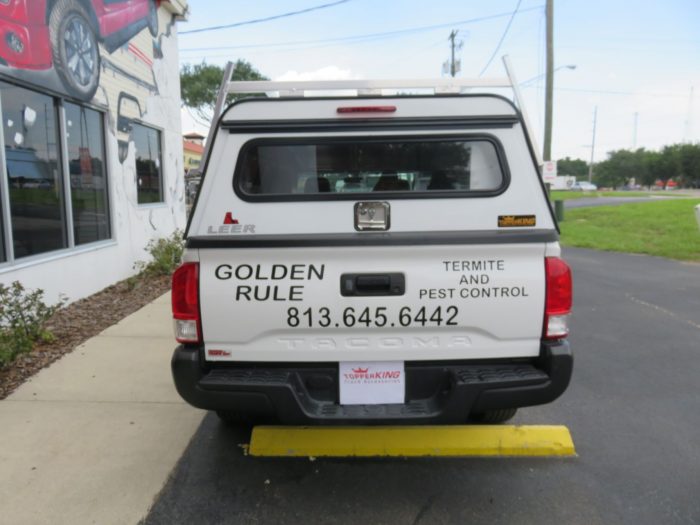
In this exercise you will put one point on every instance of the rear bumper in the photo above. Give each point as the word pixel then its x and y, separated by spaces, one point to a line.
pixel 443 392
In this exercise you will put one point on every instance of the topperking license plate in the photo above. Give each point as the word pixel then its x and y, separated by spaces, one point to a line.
pixel 373 383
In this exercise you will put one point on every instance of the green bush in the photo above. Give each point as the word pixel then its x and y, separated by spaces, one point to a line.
pixel 23 315
pixel 166 255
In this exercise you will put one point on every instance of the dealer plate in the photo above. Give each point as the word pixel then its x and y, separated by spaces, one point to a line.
pixel 372 383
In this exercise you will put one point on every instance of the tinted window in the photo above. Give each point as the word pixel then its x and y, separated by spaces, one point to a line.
pixel 148 164
pixel 88 177
pixel 369 166
pixel 33 171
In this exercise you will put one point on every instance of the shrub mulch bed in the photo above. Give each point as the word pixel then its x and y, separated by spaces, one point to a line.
pixel 81 320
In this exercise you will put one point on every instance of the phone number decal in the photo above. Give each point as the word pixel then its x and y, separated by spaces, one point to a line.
pixel 378 317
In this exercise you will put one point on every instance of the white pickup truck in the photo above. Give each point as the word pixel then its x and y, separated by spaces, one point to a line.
pixel 377 259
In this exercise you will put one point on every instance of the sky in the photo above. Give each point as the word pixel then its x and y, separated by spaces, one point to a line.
pixel 634 61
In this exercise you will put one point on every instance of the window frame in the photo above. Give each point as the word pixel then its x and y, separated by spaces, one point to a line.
pixel 161 150
pixel 378 195
pixel 11 262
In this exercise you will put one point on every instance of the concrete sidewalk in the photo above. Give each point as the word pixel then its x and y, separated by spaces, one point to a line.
pixel 93 438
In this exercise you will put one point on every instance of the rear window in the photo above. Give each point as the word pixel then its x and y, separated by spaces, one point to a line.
pixel 347 168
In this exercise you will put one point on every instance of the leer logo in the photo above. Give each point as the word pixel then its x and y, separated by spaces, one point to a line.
pixel 228 218
pixel 230 225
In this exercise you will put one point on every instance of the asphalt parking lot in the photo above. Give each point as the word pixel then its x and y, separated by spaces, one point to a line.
pixel 633 408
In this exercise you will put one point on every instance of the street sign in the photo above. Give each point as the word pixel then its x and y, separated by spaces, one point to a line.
pixel 549 170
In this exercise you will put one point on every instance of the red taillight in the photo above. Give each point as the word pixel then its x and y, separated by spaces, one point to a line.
pixel 185 300
pixel 558 299
pixel 367 109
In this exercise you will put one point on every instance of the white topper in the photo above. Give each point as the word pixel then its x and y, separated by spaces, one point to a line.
pixel 372 383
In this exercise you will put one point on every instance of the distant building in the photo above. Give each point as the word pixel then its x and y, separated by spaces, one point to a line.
pixel 194 137
pixel 90 140
pixel 193 149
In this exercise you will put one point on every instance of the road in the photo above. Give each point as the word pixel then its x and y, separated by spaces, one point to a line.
pixel 633 408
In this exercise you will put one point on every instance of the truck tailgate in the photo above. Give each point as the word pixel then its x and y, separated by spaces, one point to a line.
pixel 404 303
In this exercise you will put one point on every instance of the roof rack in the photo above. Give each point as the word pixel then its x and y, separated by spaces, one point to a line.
pixel 368 88
pixel 297 88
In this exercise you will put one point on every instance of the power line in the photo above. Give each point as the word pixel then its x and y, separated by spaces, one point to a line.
pixel 610 92
pixel 398 32
pixel 503 37
pixel 266 19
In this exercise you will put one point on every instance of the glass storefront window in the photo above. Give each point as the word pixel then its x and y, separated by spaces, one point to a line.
pixel 34 174
pixel 3 256
pixel 88 175
pixel 148 164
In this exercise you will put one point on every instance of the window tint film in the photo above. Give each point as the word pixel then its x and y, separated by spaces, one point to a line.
pixel 369 166
pixel 148 164
pixel 88 176
pixel 30 127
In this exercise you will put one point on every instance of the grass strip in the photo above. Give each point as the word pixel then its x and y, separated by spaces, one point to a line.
pixel 666 228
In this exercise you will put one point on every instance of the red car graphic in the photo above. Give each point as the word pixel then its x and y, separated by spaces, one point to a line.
pixel 64 34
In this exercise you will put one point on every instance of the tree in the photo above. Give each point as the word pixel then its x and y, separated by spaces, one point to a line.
pixel 689 160
pixel 200 83
pixel 653 161
pixel 575 167
pixel 676 161
pixel 664 165
pixel 621 166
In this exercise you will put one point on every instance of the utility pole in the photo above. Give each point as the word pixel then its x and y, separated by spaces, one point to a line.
pixel 590 165
pixel 688 129
pixel 634 136
pixel 549 83
pixel 453 66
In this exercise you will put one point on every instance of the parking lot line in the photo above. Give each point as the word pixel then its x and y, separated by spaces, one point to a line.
pixel 415 441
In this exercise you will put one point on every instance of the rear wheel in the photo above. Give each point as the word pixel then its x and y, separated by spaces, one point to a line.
pixel 495 416
pixel 75 54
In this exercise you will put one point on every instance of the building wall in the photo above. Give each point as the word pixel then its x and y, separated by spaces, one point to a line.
pixel 143 74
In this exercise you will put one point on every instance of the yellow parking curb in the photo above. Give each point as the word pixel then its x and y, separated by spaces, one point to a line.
pixel 464 440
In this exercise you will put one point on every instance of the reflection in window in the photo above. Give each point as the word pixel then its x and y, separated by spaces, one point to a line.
pixel 33 171
pixel 148 164
pixel 88 178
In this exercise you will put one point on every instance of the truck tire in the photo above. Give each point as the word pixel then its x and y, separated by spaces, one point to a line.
pixel 495 416
pixel 74 48
pixel 153 17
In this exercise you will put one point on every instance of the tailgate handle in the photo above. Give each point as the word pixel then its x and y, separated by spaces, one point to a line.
pixel 352 284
